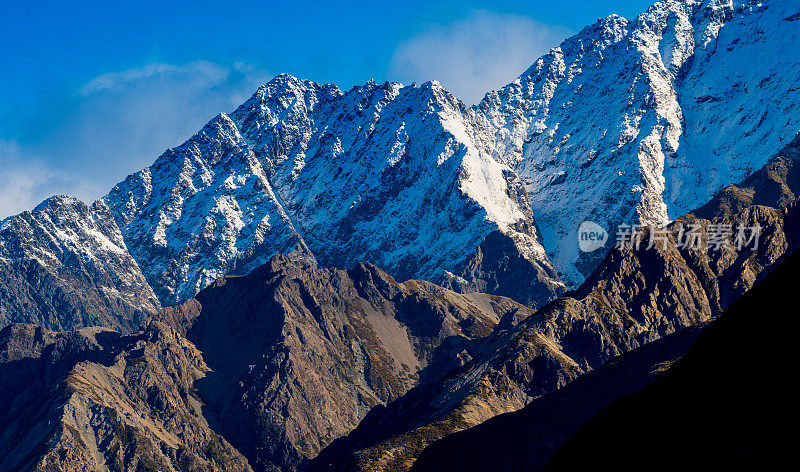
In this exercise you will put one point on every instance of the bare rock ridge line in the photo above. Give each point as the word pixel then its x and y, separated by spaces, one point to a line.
pixel 292 357
pixel 634 298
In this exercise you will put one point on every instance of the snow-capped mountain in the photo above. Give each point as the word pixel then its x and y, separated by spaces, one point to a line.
pixel 626 121
pixel 387 174
pixel 200 211
pixel 65 265
pixel 393 175
pixel 646 119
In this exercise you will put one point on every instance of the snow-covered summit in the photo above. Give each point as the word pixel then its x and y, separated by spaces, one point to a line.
pixel 382 173
pixel 644 120
pixel 627 121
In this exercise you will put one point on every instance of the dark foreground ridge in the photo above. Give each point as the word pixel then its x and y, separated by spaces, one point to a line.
pixel 728 404
pixel 723 405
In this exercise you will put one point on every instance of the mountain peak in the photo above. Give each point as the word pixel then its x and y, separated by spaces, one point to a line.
pixel 637 120
pixel 284 78
pixel 285 81
pixel 60 201
pixel 605 30
pixel 65 265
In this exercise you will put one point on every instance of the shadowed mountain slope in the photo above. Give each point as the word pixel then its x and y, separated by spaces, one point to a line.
pixel 727 403
pixel 720 405
pixel 524 440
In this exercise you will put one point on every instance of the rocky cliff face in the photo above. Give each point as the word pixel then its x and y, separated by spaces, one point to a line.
pixel 95 400
pixel 301 354
pixel 634 120
pixel 636 297
pixel 65 265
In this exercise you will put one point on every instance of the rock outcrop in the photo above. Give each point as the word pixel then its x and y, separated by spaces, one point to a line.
pixel 301 354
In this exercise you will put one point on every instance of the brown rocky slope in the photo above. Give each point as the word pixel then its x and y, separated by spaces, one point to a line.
pixel 300 354
pixel 727 404
pixel 95 400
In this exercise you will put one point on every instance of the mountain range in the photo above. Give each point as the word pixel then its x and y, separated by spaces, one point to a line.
pixel 378 278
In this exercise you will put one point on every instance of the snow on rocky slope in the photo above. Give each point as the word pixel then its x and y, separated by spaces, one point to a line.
pixel 200 211
pixel 627 121
pixel 383 173
pixel 397 176
pixel 646 119
pixel 65 265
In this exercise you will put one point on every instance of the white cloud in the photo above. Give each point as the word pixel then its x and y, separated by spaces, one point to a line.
pixel 196 72
pixel 474 55
pixel 123 121
pixel 26 180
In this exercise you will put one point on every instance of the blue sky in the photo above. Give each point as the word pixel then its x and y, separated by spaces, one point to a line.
pixel 92 91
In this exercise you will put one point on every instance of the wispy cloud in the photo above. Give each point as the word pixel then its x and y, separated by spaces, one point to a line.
pixel 197 73
pixel 476 54
pixel 122 122
pixel 27 179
